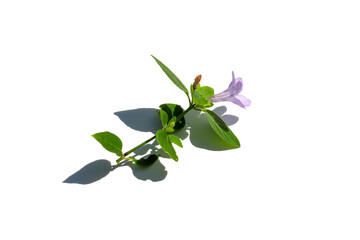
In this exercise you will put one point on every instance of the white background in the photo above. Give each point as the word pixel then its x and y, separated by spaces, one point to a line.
pixel 67 66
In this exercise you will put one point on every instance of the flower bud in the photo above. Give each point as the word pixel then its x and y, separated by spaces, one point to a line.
pixel 196 82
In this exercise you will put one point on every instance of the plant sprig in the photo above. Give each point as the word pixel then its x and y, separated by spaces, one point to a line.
pixel 172 118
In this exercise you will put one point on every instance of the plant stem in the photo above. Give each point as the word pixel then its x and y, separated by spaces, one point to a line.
pixel 153 137
pixel 139 146
pixel 185 112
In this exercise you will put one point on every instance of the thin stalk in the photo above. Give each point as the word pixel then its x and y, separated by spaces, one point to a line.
pixel 185 112
pixel 139 146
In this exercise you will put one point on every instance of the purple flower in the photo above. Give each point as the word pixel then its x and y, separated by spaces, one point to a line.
pixel 231 94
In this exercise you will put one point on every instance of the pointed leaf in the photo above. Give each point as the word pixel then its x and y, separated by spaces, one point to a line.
pixel 191 91
pixel 110 142
pixel 172 76
pixel 164 117
pixel 176 140
pixel 222 129
pixel 165 143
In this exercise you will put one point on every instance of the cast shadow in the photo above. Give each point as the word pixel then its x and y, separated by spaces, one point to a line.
pixel 99 169
pixel 201 133
pixel 91 172
pixel 155 173
pixel 197 126
pixel 141 119
pixel 147 120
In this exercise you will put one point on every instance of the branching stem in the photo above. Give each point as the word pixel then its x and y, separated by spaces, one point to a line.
pixel 192 106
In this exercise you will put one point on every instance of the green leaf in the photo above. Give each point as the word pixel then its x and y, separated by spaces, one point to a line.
pixel 172 76
pixel 222 129
pixel 110 142
pixel 174 110
pixel 164 117
pixel 198 99
pixel 171 124
pixel 172 121
pixel 146 162
pixel 165 143
pixel 205 91
pixel 202 94
pixel 169 129
pixel 176 140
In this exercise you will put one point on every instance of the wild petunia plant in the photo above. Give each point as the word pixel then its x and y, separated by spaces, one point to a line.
pixel 172 118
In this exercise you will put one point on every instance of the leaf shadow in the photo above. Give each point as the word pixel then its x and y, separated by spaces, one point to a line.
pixel 98 169
pixel 197 126
pixel 91 172
pixel 140 119
pixel 147 120
pixel 155 173
pixel 201 133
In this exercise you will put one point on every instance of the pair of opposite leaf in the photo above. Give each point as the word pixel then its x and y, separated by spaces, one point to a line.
pixel 165 141
pixel 113 144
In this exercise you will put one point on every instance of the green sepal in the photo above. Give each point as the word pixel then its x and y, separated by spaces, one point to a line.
pixel 192 89
pixel 165 143
pixel 222 129
pixel 210 104
pixel 110 142
pixel 146 162
pixel 176 140
pixel 174 110
pixel 172 76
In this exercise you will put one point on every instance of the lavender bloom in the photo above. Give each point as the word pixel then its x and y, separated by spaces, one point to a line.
pixel 231 94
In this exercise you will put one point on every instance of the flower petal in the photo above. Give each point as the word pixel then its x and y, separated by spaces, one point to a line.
pixel 240 100
pixel 235 86
pixel 219 97
pixel 245 101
